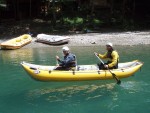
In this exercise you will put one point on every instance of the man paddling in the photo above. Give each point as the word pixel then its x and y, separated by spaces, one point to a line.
pixel 112 55
pixel 69 61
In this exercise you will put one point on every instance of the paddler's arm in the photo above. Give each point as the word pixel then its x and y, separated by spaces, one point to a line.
pixel 64 62
pixel 59 60
pixel 104 56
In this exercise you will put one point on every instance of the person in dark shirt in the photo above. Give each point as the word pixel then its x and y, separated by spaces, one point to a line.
pixel 68 62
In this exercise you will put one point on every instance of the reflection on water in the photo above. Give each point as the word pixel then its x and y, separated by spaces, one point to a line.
pixel 131 86
pixel 15 56
pixel 46 56
pixel 86 92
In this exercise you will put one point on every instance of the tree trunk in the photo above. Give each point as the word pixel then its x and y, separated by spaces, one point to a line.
pixel 30 10
pixel 124 10
pixel 111 7
pixel 133 10
pixel 61 12
pixel 54 13
pixel 15 9
pixel 92 7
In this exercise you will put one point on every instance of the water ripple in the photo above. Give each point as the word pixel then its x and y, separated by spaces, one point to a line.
pixel 86 92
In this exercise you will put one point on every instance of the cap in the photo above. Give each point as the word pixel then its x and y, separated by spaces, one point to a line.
pixel 109 44
pixel 65 48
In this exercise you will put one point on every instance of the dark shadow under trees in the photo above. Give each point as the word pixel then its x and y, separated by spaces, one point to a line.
pixel 77 16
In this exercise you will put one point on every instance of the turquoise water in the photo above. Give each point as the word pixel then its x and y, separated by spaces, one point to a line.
pixel 21 94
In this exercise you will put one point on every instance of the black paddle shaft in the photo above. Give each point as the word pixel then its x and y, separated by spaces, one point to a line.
pixel 114 76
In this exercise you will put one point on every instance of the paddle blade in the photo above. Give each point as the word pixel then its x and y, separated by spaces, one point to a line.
pixel 118 81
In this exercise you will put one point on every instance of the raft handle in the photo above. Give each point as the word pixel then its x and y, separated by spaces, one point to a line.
pixel 73 72
pixel 98 72
pixel 122 70
pixel 33 68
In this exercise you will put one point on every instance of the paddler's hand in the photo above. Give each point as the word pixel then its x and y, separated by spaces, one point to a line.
pixel 106 66
pixel 57 58
pixel 57 65
pixel 96 53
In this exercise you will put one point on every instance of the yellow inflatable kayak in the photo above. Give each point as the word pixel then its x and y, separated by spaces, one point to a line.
pixel 16 43
pixel 83 72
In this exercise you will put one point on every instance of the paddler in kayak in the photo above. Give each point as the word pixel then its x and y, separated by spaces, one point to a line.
pixel 112 55
pixel 68 62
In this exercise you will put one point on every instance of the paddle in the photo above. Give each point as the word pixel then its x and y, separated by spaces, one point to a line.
pixel 57 62
pixel 113 74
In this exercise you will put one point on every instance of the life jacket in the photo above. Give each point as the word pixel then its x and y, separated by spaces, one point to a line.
pixel 73 62
pixel 110 57
pixel 109 54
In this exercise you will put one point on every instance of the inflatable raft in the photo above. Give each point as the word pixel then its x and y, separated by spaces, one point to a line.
pixel 52 39
pixel 82 72
pixel 16 43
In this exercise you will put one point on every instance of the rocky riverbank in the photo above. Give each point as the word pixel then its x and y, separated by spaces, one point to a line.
pixel 96 39
pixel 122 38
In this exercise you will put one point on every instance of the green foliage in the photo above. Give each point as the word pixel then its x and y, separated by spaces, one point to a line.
pixel 128 24
pixel 97 21
pixel 73 21
pixel 2 1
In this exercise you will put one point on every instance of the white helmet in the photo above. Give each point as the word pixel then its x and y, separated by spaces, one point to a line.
pixel 109 44
pixel 65 48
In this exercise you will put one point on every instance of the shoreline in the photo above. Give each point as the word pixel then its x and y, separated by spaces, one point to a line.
pixel 100 39
pixel 121 38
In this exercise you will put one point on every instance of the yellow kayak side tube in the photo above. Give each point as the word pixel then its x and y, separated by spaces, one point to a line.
pixel 55 75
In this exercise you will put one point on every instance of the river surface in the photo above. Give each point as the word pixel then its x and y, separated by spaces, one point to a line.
pixel 19 93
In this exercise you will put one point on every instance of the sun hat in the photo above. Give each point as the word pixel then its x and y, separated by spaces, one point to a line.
pixel 65 48
pixel 109 44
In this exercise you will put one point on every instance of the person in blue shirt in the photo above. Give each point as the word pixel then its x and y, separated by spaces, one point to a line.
pixel 68 62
